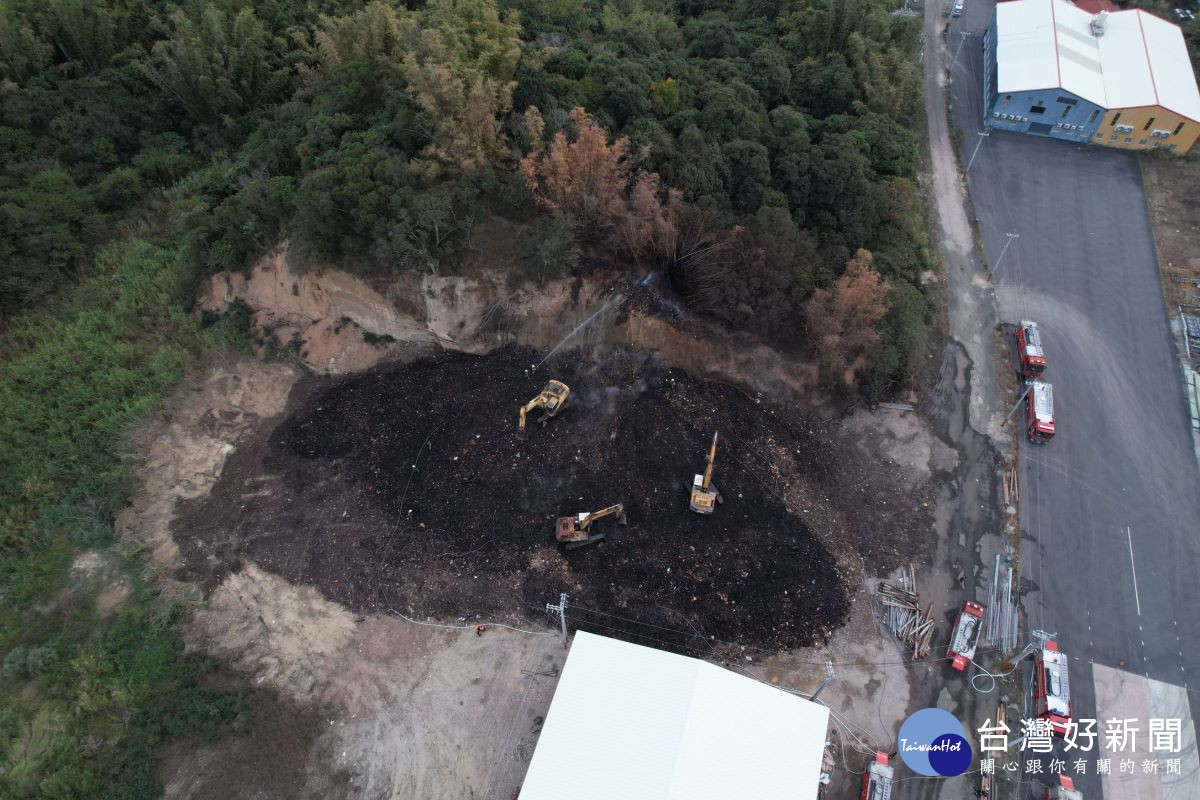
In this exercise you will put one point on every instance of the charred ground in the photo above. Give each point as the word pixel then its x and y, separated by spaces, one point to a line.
pixel 408 487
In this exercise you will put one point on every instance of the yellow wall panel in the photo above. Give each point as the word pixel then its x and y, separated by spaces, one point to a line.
pixel 1144 121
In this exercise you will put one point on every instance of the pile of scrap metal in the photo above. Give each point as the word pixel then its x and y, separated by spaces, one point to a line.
pixel 1003 626
pixel 904 617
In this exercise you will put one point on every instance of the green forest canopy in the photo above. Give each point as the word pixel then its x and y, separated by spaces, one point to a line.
pixel 383 133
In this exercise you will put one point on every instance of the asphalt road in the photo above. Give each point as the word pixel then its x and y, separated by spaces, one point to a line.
pixel 1110 507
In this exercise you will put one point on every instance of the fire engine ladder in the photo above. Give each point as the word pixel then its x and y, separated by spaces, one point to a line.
pixel 966 634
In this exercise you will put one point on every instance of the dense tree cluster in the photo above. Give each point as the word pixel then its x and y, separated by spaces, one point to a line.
pixel 749 148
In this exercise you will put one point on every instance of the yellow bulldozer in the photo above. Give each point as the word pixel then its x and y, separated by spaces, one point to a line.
pixel 550 400
pixel 705 496
pixel 575 531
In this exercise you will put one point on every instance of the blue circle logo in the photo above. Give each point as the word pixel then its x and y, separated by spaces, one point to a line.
pixel 933 742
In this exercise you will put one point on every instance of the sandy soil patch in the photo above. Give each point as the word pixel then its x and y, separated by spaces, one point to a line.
pixel 1173 194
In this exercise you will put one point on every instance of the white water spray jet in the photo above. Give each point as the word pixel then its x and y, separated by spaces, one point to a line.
pixel 616 299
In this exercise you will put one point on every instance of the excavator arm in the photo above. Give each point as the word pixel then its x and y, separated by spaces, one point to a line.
pixel 525 409
pixel 618 509
pixel 712 460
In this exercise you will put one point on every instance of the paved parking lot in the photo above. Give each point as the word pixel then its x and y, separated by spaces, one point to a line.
pixel 1111 507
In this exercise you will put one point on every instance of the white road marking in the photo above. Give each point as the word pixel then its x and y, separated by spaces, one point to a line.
pixel 1133 567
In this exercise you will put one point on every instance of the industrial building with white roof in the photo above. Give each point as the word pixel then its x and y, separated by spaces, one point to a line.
pixel 1122 79
pixel 633 723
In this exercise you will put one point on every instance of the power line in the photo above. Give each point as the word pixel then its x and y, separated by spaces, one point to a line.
pixel 468 627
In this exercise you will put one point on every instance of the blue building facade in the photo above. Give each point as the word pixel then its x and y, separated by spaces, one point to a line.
pixel 1052 111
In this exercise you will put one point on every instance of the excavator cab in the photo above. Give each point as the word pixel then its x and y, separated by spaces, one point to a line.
pixel 704 496
pixel 550 400
pixel 576 532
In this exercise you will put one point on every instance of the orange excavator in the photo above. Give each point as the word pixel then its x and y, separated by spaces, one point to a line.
pixel 550 400
pixel 575 531
pixel 705 496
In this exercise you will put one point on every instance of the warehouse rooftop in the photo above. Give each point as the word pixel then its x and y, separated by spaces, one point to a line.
pixel 636 723
pixel 1138 60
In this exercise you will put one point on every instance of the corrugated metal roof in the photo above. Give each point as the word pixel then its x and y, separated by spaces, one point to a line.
pixel 1026 52
pixel 1140 60
pixel 1173 77
pixel 1128 81
pixel 636 723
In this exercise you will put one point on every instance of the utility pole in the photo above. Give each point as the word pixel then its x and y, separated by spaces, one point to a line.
pixel 982 136
pixel 1010 236
pixel 828 680
pixel 1041 637
pixel 561 610
pixel 961 42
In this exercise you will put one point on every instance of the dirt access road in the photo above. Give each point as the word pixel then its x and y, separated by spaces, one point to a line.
pixel 1107 508
pixel 972 523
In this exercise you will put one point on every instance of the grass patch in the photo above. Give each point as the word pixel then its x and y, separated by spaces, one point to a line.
pixel 88 698
pixel 231 328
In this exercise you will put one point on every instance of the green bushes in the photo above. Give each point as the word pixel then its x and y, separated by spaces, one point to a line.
pixel 108 691
pixel 74 381
pixel 87 697
pixel 903 345
pixel 548 249
pixel 48 227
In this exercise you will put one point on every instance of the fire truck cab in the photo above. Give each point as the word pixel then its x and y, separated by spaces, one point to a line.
pixel 1051 689
pixel 966 635
pixel 1064 791
pixel 1029 349
pixel 877 780
pixel 1039 411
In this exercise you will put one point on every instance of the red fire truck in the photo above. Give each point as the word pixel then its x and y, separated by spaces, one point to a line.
pixel 1051 689
pixel 1039 411
pixel 1029 349
pixel 1064 791
pixel 966 635
pixel 877 780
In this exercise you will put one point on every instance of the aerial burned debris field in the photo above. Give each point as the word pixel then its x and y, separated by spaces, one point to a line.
pixel 410 488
